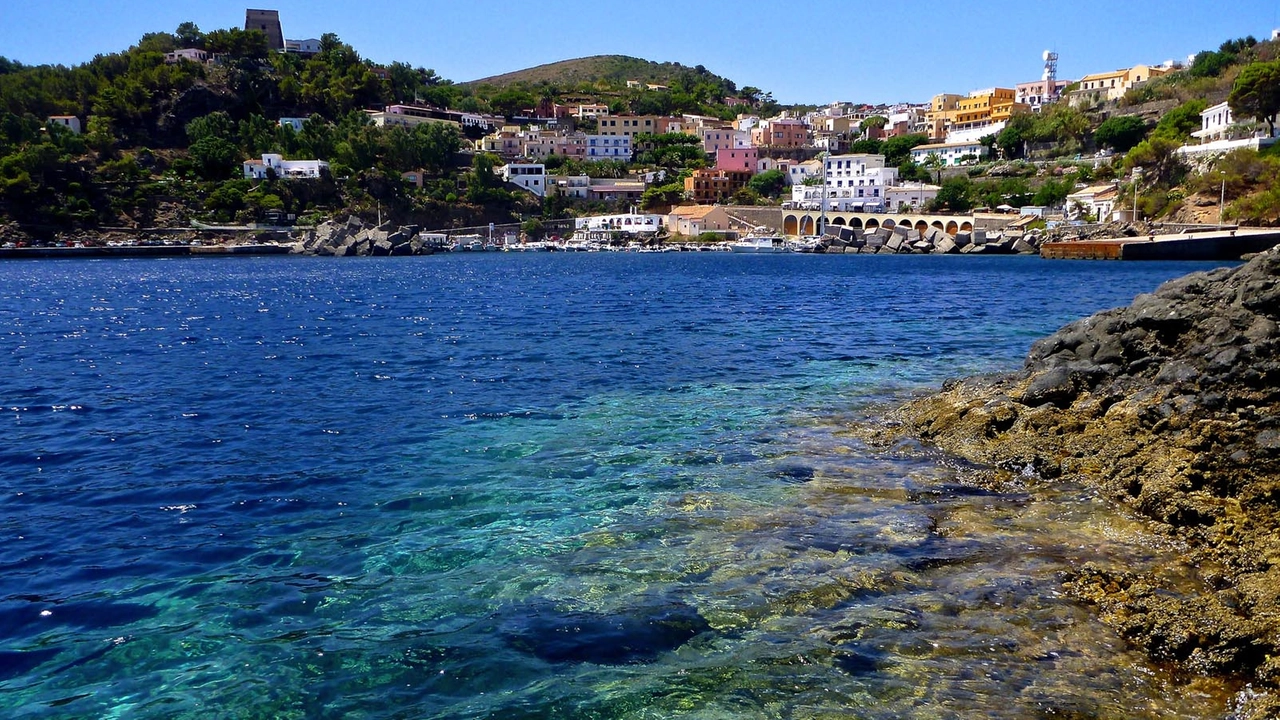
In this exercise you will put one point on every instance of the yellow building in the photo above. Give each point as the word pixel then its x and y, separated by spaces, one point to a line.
pixel 981 109
pixel 1102 87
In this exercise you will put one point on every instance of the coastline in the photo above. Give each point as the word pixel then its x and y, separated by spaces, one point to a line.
pixel 1168 407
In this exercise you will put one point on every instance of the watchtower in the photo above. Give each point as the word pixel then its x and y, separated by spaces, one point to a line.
pixel 268 23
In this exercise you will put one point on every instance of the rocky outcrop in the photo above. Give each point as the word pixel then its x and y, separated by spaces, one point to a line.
pixel 354 238
pixel 1172 407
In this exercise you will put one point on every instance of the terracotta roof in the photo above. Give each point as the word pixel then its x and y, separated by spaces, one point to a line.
pixel 1096 190
pixel 693 212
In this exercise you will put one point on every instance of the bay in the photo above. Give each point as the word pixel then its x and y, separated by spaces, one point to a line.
pixel 571 486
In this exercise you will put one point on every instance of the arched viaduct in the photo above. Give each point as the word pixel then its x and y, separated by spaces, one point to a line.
pixel 807 222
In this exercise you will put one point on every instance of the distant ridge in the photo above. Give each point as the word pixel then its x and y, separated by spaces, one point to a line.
pixel 611 68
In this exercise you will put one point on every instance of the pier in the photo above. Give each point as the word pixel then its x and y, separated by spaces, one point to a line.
pixel 1224 244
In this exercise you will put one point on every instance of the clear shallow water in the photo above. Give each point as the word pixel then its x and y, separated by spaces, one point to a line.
pixel 584 486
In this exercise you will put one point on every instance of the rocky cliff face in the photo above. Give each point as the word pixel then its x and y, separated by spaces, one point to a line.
pixel 1172 406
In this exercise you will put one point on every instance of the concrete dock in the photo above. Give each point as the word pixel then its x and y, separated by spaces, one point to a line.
pixel 1225 244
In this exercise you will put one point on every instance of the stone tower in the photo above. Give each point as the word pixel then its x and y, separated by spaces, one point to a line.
pixel 268 22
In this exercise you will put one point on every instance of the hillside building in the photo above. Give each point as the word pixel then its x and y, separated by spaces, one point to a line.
pixel 284 169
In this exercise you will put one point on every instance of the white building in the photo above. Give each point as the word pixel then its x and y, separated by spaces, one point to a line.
pixel 295 123
pixel 608 147
pixel 70 122
pixel 1096 201
pixel 628 222
pixel 530 176
pixel 309 46
pixel 853 183
pixel 1220 133
pixel 913 195
pixel 574 186
pixel 405 120
pixel 195 55
pixel 591 111
pixel 285 169
pixel 799 172
pixel 971 136
pixel 951 154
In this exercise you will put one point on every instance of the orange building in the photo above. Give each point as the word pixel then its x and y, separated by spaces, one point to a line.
pixel 710 186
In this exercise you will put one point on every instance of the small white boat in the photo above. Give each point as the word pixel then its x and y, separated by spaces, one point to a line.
pixel 760 244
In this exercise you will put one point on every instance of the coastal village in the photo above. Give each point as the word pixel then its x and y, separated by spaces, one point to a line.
pixel 691 534
pixel 811 175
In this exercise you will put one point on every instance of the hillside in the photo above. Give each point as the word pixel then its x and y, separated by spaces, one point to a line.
pixel 610 68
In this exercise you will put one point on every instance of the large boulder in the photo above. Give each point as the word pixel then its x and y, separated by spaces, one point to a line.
pixel 944 245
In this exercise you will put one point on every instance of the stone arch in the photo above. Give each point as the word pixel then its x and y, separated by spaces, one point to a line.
pixel 888 224
pixel 966 227
pixel 790 226
pixel 938 224
pixel 873 224
pixel 806 226
pixel 838 221
pixel 922 227
pixel 855 222
pixel 952 227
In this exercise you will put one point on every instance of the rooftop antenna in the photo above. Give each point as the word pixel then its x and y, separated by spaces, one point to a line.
pixel 1050 67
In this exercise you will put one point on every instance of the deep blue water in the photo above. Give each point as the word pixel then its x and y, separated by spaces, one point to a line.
pixel 494 486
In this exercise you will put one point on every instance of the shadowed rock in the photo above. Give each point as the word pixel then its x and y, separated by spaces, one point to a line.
pixel 636 635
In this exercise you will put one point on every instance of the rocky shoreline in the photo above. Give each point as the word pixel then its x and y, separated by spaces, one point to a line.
pixel 355 238
pixel 1171 407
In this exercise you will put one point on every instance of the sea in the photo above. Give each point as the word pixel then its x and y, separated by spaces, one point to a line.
pixel 581 485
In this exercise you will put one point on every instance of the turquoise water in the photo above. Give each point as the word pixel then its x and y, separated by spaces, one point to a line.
pixel 496 486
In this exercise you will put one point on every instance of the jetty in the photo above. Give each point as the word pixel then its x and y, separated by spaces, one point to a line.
pixel 141 251
pixel 1215 244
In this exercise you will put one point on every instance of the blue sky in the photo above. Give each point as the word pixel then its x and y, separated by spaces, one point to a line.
pixel 815 51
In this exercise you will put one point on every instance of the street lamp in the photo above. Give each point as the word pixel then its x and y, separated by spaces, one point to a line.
pixel 1222 198
pixel 1137 175
pixel 822 216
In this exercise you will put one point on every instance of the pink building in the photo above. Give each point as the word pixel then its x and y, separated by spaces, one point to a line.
pixel 780 134
pixel 745 159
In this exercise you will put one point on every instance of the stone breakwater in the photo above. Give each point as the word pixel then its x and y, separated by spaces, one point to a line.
pixel 355 238
pixel 905 240
pixel 1171 406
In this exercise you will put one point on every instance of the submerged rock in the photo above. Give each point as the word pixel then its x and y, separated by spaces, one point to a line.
pixel 1172 406
pixel 636 635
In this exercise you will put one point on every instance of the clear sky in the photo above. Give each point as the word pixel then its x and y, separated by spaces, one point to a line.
pixel 803 51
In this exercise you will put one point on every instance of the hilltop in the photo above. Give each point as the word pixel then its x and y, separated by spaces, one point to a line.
pixel 613 69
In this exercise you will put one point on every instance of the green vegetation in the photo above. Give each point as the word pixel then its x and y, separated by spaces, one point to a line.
pixel 769 183
pixel 682 89
pixel 1121 132
pixel 1256 93
pixel 1064 126
pixel 165 142
pixel 1212 64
